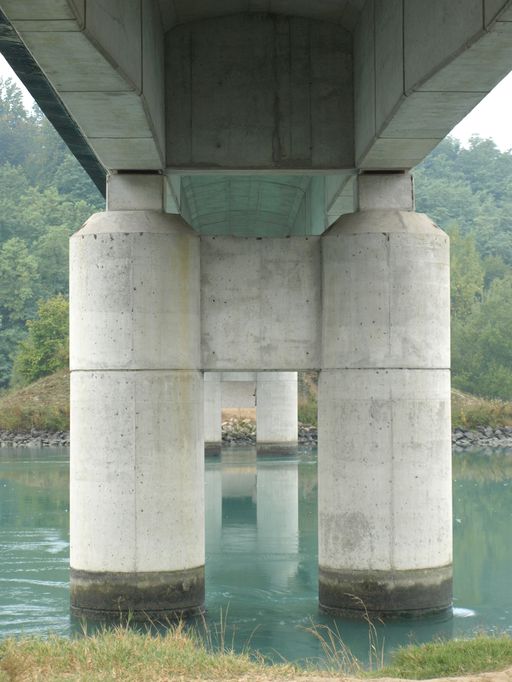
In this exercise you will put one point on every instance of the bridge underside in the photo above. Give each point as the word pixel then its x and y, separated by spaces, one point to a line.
pixel 260 217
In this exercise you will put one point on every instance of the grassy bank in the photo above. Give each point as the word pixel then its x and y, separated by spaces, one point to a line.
pixel 470 411
pixel 42 405
pixel 449 659
pixel 45 405
pixel 123 654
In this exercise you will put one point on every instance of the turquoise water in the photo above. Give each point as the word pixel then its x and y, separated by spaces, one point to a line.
pixel 261 551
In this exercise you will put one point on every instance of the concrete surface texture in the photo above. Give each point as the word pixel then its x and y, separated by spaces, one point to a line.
pixel 384 476
pixel 137 523
pixel 238 393
pixel 276 408
pixel 260 303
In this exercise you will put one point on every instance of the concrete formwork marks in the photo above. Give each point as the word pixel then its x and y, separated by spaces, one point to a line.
pixel 260 303
pixel 259 91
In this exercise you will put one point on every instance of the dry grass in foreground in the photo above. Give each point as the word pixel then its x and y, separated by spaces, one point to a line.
pixel 469 411
pixel 122 654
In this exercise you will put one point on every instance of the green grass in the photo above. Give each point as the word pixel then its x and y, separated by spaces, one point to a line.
pixel 122 654
pixel 308 412
pixel 134 657
pixel 450 658
pixel 470 411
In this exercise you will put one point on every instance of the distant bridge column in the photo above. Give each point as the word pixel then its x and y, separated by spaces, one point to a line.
pixel 212 412
pixel 137 478
pixel 276 412
pixel 384 470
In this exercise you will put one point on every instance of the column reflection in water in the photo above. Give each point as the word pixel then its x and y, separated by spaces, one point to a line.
pixel 239 474
pixel 277 505
pixel 213 506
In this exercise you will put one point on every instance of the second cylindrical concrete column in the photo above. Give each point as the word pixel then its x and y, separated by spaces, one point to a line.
pixel 212 412
pixel 137 481
pixel 384 487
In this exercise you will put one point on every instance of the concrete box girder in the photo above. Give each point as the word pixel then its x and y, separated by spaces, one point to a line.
pixel 470 71
pixel 343 12
pixel 115 25
pixel 449 25
pixel 265 86
pixel 81 46
pixel 84 68
pixel 451 50
pixel 38 10
pixel 259 91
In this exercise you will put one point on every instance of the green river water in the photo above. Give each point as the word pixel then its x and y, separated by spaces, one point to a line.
pixel 261 552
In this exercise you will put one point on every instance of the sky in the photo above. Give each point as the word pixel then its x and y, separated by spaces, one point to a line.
pixel 492 118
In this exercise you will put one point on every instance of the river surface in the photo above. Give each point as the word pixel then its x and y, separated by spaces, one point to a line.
pixel 261 554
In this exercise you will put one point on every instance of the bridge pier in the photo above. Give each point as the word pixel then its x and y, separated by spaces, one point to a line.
pixel 275 398
pixel 276 412
pixel 384 484
pixel 212 412
pixel 137 479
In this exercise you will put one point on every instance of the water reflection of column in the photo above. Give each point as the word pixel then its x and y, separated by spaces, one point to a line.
pixel 238 478
pixel 278 519
pixel 213 506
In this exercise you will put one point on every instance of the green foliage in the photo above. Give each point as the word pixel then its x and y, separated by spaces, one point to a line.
pixel 308 412
pixel 468 192
pixel 52 249
pixel 45 350
pixel 467 273
pixel 18 281
pixel 44 197
pixel 482 345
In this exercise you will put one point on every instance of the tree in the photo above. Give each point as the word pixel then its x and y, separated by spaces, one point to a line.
pixel 482 345
pixel 19 281
pixel 51 251
pixel 44 196
pixel 467 274
pixel 46 347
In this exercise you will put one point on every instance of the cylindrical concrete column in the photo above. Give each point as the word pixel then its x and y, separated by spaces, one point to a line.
pixel 276 412
pixel 384 469
pixel 137 480
pixel 212 413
